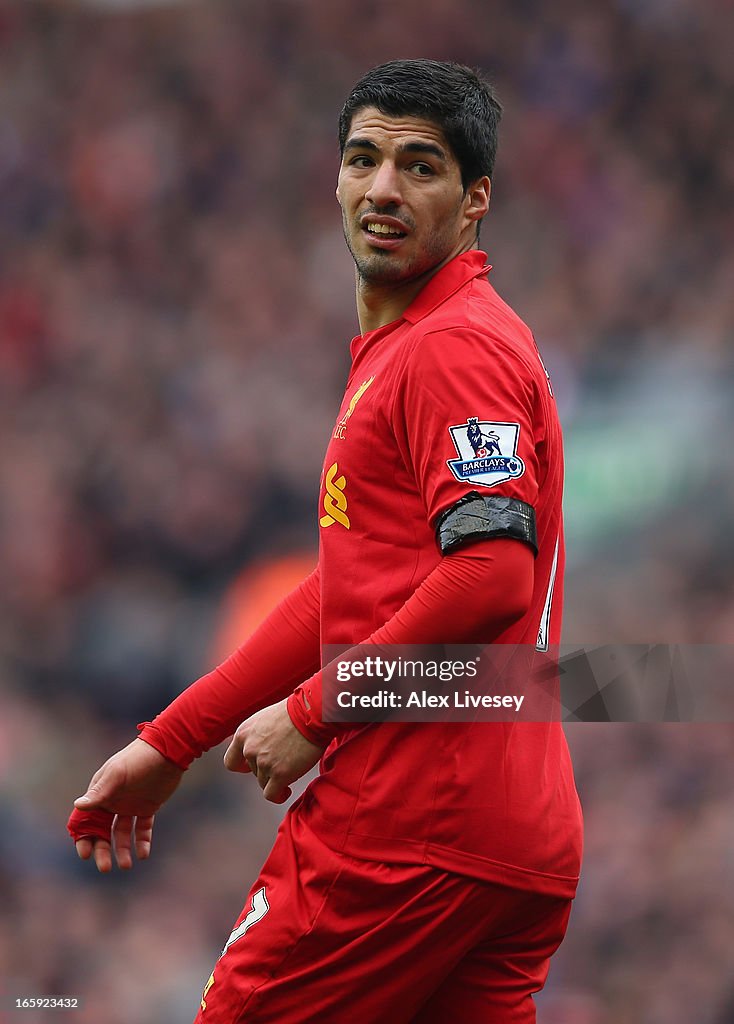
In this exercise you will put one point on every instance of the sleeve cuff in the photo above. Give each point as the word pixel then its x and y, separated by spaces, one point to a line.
pixel 304 709
pixel 168 746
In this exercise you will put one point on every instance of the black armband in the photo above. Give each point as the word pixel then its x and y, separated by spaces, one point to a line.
pixel 478 517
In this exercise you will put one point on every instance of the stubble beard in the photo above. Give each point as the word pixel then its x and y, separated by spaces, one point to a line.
pixel 386 267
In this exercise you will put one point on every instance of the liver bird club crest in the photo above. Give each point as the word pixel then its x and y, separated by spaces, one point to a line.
pixel 487 452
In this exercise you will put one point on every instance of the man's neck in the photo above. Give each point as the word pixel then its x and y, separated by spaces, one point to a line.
pixel 380 304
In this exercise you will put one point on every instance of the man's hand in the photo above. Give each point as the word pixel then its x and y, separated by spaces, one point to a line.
pixel 127 791
pixel 269 745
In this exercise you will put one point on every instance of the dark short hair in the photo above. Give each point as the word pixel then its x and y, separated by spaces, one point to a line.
pixel 453 96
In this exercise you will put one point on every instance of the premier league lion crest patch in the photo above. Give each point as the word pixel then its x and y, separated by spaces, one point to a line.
pixel 487 452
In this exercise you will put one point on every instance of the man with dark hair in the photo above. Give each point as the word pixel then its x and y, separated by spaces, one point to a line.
pixel 454 97
pixel 427 873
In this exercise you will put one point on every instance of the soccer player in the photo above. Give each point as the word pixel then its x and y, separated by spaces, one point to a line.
pixel 427 873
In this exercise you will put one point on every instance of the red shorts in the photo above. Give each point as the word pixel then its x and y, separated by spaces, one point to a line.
pixel 329 938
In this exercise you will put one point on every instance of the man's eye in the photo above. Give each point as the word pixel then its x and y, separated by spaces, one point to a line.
pixel 361 161
pixel 422 170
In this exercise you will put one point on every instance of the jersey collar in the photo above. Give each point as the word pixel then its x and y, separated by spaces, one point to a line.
pixel 449 279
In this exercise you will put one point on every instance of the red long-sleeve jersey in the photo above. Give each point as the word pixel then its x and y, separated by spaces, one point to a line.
pixel 450 399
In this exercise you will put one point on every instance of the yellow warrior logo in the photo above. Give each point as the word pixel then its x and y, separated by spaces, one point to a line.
pixel 335 500
pixel 341 428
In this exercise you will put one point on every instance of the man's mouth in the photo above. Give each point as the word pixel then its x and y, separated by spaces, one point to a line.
pixel 384 233
pixel 385 230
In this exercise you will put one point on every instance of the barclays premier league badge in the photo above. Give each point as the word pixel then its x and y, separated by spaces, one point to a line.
pixel 487 452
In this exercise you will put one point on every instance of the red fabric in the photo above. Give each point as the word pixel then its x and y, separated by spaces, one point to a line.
pixel 485 586
pixel 496 801
pixel 407 943
pixel 280 654
pixel 90 825
pixel 458 352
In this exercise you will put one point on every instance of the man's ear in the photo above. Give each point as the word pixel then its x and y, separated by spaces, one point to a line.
pixel 477 199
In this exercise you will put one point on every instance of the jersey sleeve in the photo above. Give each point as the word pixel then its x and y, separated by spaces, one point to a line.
pixel 471 596
pixel 465 417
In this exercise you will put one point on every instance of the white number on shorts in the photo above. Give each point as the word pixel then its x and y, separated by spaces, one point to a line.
pixel 259 908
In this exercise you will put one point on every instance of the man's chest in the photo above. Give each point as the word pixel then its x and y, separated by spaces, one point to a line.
pixel 367 479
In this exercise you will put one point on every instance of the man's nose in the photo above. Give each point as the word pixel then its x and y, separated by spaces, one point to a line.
pixel 384 189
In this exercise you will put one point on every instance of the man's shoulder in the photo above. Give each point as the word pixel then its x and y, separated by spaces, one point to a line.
pixel 482 326
pixel 480 307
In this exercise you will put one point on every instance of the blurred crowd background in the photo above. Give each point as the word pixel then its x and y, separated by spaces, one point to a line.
pixel 176 304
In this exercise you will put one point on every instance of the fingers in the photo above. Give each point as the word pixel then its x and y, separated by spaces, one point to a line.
pixel 132 833
pixel 143 836
pixel 102 853
pixel 234 758
pixel 276 792
pixel 269 745
pixel 84 848
pixel 101 849
pixel 128 833
pixel 274 789
pixel 103 856
pixel 123 832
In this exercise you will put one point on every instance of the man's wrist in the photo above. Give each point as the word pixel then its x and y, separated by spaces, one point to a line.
pixel 169 746
pixel 304 717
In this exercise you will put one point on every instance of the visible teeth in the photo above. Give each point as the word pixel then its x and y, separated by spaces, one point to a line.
pixel 383 229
